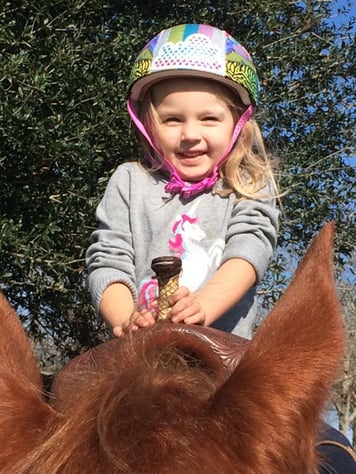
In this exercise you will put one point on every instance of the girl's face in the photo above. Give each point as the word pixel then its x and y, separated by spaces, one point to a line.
pixel 194 125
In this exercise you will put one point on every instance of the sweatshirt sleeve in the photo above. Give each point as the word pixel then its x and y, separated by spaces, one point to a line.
pixel 252 233
pixel 110 256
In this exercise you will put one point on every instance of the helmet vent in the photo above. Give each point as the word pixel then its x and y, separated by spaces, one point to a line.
pixel 196 52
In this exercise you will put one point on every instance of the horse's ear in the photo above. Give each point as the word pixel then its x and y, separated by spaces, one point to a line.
pixel 278 391
pixel 16 356
pixel 24 415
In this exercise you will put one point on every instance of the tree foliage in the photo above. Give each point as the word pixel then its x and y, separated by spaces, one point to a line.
pixel 64 68
pixel 345 400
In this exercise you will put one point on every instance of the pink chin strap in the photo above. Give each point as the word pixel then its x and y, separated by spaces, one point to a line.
pixel 175 184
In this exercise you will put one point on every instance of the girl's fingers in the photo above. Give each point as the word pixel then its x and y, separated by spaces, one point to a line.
pixel 141 319
pixel 118 331
pixel 182 292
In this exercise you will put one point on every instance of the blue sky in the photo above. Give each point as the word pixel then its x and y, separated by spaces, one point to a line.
pixel 339 5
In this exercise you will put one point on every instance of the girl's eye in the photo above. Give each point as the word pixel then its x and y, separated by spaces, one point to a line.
pixel 171 120
pixel 210 118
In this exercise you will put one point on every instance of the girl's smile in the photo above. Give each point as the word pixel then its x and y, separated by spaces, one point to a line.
pixel 194 125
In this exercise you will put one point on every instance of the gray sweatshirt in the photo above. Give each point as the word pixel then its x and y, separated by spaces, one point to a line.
pixel 139 220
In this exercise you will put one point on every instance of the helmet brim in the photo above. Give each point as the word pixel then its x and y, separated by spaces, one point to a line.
pixel 141 86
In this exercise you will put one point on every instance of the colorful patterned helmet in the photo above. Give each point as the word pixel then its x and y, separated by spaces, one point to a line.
pixel 194 50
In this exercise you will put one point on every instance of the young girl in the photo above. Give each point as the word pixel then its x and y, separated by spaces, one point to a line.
pixel 204 189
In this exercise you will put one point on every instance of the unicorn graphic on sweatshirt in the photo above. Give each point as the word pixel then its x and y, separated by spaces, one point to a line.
pixel 189 243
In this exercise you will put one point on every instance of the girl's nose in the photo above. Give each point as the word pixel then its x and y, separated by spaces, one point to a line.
pixel 191 132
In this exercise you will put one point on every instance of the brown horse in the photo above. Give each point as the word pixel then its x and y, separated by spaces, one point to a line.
pixel 175 398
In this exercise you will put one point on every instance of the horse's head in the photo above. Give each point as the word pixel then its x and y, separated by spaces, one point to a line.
pixel 177 398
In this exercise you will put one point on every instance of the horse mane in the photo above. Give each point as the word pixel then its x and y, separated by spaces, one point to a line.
pixel 156 401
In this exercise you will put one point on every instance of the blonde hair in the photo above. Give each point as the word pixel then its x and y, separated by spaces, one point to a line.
pixel 247 169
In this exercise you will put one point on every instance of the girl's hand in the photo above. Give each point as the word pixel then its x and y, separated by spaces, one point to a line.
pixel 143 319
pixel 140 319
pixel 186 307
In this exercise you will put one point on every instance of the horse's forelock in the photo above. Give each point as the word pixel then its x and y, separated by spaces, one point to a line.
pixel 160 390
pixel 158 375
